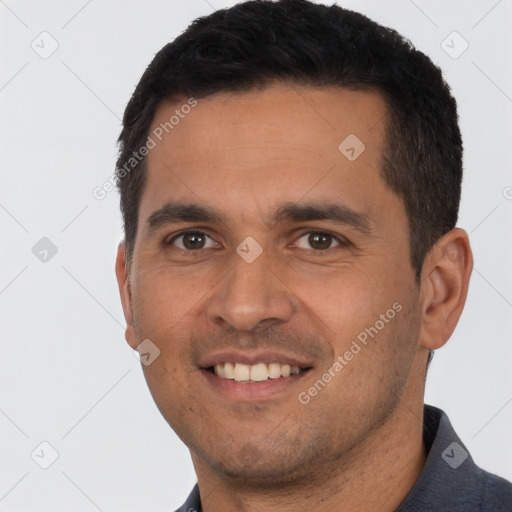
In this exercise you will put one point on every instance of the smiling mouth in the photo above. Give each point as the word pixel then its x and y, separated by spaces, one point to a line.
pixel 259 372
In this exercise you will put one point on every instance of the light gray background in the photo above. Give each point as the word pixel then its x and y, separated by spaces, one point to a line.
pixel 67 376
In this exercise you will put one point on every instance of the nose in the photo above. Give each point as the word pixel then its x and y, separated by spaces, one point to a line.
pixel 251 296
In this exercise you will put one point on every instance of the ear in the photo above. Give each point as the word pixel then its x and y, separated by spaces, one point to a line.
pixel 444 287
pixel 123 281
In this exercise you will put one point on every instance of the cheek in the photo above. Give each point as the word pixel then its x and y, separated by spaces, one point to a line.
pixel 165 311
pixel 170 388
pixel 344 300
pixel 163 299
pixel 363 315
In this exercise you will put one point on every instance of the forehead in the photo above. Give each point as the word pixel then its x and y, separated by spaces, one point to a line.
pixel 309 118
pixel 275 145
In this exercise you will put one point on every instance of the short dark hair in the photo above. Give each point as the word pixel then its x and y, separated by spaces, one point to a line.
pixel 258 42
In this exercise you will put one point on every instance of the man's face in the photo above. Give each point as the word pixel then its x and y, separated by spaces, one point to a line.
pixel 289 251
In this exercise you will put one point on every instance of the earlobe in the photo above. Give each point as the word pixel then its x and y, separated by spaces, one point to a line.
pixel 444 286
pixel 123 282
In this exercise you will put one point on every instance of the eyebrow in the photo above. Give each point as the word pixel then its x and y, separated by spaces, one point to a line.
pixel 173 213
pixel 334 212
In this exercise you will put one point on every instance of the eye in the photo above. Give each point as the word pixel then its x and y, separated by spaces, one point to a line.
pixel 191 241
pixel 319 240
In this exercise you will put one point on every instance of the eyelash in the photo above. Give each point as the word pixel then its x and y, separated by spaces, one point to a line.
pixel 184 233
pixel 342 241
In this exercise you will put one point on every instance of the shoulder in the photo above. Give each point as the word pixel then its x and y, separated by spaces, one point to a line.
pixel 496 493
pixel 451 481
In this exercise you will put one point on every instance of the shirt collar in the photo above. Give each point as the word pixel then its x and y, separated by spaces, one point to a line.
pixel 450 480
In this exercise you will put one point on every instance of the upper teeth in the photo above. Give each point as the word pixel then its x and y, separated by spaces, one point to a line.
pixel 256 372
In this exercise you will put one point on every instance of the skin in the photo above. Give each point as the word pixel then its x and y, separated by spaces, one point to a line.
pixel 356 445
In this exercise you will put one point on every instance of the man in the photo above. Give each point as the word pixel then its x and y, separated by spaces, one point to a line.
pixel 290 179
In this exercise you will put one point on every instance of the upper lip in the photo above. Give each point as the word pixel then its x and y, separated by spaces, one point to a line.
pixel 251 357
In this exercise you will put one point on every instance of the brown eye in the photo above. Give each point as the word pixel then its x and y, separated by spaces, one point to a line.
pixel 317 240
pixel 320 241
pixel 192 240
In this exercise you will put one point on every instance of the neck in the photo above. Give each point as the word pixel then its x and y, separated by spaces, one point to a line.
pixel 375 476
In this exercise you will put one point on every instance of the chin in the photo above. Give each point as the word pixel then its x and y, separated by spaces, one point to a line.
pixel 261 465
pixel 264 474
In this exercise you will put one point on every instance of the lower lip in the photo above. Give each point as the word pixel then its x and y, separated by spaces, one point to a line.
pixel 252 391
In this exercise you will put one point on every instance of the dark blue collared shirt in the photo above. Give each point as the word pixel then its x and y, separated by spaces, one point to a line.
pixel 450 480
